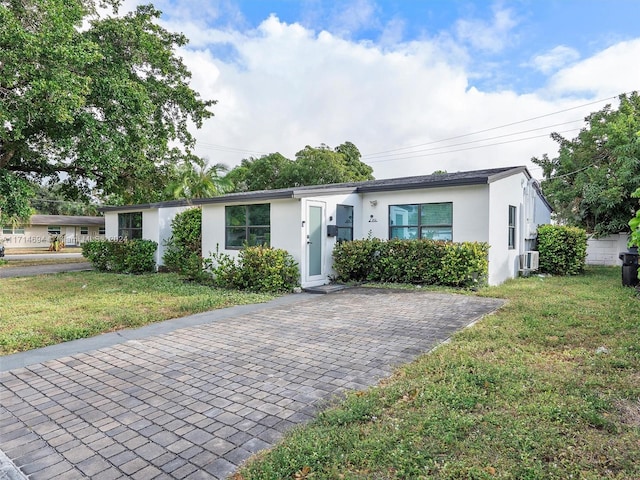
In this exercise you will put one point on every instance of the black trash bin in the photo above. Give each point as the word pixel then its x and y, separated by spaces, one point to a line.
pixel 629 268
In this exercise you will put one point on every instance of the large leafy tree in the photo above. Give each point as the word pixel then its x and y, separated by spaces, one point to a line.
pixel 312 166
pixel 590 182
pixel 99 103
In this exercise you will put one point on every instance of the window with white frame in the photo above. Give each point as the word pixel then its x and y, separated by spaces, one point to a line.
pixel 9 230
pixel 54 229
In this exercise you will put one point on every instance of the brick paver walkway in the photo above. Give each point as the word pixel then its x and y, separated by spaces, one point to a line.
pixel 196 402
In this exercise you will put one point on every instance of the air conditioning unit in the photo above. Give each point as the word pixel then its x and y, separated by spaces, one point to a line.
pixel 529 261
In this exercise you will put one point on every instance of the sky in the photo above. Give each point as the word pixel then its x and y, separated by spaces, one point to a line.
pixel 416 85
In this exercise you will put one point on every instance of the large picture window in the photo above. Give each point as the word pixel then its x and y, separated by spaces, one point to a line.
pixel 426 220
pixel 344 222
pixel 250 224
pixel 512 227
pixel 130 225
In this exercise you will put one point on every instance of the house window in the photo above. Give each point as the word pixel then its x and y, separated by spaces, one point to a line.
pixel 101 230
pixel 8 230
pixel 512 227
pixel 427 220
pixel 344 222
pixel 130 225
pixel 54 229
pixel 250 224
pixel 84 230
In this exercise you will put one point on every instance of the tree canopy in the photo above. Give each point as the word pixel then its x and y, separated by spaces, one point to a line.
pixel 590 182
pixel 99 103
pixel 312 166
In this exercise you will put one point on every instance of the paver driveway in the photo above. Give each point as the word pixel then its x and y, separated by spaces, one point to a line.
pixel 198 401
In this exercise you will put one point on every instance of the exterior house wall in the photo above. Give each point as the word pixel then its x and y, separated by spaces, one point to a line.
pixel 605 250
pixel 289 219
pixel 531 211
pixel 470 210
pixel 37 236
pixel 329 204
pixel 156 225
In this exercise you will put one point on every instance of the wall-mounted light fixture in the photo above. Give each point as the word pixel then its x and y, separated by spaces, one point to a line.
pixel 373 203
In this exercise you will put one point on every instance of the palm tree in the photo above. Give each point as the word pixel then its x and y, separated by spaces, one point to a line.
pixel 194 179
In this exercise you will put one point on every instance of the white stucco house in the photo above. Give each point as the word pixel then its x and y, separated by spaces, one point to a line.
pixel 500 206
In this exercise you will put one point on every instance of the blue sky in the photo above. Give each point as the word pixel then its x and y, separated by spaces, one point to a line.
pixel 397 75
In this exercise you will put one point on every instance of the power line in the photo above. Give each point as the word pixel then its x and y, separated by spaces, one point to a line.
pixel 492 128
pixel 480 140
pixel 468 148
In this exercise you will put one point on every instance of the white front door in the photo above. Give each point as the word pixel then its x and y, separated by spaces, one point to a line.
pixel 314 268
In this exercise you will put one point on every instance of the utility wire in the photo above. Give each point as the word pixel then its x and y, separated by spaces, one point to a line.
pixel 464 149
pixel 480 140
pixel 492 128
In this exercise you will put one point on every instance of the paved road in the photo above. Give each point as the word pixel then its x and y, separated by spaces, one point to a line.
pixel 30 271
pixel 196 397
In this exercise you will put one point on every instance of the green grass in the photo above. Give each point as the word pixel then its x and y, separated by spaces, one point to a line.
pixel 49 309
pixel 546 388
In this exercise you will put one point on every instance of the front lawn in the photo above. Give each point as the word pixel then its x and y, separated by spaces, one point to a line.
pixel 49 309
pixel 546 388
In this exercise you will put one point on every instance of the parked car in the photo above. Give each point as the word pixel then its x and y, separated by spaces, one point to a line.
pixel 1 251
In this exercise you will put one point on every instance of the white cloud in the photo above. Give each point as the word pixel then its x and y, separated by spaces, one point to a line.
pixel 292 87
pixel 609 72
pixel 555 59
pixel 287 86
pixel 485 36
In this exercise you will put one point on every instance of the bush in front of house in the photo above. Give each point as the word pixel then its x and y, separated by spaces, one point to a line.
pixel 129 256
pixel 563 250
pixel 412 261
pixel 183 253
pixel 257 269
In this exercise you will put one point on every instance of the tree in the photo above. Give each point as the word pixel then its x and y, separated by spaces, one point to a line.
pixel 51 200
pixel 264 173
pixel 590 182
pixel 312 166
pixel 101 104
pixel 194 179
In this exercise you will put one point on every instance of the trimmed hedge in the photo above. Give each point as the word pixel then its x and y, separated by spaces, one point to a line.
pixel 412 261
pixel 257 269
pixel 563 250
pixel 129 256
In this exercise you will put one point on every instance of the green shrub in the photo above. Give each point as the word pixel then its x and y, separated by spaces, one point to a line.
pixel 257 269
pixel 129 256
pixel 563 250
pixel 412 261
pixel 184 248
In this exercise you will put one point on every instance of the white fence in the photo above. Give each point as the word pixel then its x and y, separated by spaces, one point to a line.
pixel 605 250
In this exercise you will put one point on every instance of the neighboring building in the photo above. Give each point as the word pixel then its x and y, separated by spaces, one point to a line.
pixel 42 228
pixel 501 206
pixel 606 250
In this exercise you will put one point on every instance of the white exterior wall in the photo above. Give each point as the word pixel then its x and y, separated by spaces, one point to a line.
pixel 111 225
pixel 287 228
pixel 330 203
pixel 605 250
pixel 162 226
pixel 156 225
pixel 531 211
pixel 470 210
pixel 285 225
